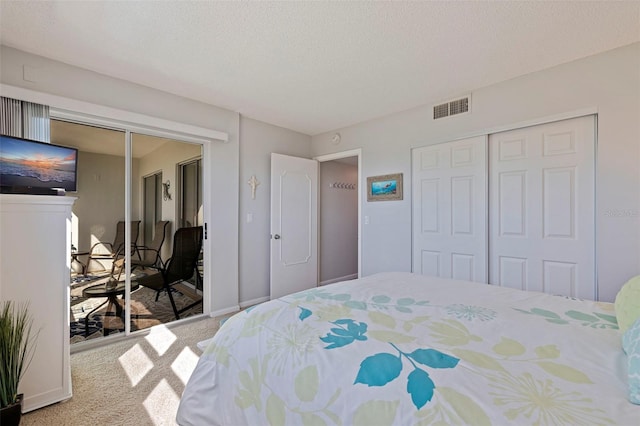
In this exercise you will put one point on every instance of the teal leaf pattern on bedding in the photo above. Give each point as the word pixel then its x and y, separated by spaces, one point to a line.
pixel 420 387
pixel 304 314
pixel 433 358
pixel 379 369
pixel 341 336
pixel 356 304
pixel 382 368
pixel 593 320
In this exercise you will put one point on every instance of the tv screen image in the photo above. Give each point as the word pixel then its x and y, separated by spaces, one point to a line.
pixel 28 166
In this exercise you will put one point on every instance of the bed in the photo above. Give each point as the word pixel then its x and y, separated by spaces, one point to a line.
pixel 403 349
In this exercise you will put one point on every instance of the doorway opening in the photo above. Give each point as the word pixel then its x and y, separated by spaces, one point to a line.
pixel 338 218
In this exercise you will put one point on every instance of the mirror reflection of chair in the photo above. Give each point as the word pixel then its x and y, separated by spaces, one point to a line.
pixel 180 267
pixel 150 255
pixel 105 251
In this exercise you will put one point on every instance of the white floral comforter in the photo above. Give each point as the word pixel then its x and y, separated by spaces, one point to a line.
pixel 402 349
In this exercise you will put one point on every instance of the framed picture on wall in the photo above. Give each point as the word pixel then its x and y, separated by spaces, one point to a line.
pixel 384 187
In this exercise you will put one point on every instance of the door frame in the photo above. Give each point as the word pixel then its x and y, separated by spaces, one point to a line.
pixel 337 156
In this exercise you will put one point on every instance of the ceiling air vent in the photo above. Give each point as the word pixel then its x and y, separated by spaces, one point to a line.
pixel 458 106
pixel 440 111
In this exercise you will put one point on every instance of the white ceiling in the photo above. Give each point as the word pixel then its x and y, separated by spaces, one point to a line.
pixel 317 66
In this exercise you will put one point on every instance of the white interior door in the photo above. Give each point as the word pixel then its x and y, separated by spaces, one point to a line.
pixel 450 210
pixel 294 224
pixel 542 208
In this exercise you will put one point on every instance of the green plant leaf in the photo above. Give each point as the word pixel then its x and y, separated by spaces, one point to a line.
pixel 310 419
pixel 509 347
pixel 557 321
pixel 381 299
pixel 545 313
pixel 382 319
pixel 406 301
pixel 564 372
pixel 275 410
pixel 420 319
pixel 306 383
pixel 580 316
pixel 379 413
pixel 254 323
pixel 547 351
pixel 356 305
pixel 452 333
pixel 17 346
pixel 478 359
pixel 341 297
pixel 221 354
pixel 244 399
pixel 470 412
pixel 610 318
pixel 333 416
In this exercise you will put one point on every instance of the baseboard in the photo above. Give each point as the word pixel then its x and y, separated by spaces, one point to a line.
pixel 257 301
pixel 335 280
pixel 225 311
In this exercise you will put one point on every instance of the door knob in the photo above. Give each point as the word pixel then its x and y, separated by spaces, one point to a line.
pixel 277 237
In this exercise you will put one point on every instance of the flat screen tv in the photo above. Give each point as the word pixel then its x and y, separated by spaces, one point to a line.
pixel 31 167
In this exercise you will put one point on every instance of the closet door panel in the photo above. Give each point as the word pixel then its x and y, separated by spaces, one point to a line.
pixel 449 210
pixel 541 208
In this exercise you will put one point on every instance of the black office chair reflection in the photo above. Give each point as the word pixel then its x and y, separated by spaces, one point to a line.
pixel 187 243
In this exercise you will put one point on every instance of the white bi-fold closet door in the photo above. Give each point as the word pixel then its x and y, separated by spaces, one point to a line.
pixel 538 223
pixel 450 210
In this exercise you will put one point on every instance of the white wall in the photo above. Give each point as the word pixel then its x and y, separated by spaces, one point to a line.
pixel 338 221
pixel 259 140
pixel 57 78
pixel 608 82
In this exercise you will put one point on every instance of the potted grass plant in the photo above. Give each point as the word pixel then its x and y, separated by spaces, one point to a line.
pixel 17 345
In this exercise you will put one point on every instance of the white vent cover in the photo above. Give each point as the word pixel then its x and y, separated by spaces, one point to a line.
pixel 455 107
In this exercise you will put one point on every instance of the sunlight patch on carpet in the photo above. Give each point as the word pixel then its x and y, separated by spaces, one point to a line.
pixel 184 364
pixel 161 339
pixel 162 403
pixel 136 364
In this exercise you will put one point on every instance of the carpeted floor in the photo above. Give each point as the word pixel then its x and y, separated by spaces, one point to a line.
pixel 134 382
pixel 145 311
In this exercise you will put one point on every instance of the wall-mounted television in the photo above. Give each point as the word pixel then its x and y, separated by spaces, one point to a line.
pixel 31 167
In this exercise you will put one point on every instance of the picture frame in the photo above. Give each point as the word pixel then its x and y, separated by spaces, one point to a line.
pixel 384 187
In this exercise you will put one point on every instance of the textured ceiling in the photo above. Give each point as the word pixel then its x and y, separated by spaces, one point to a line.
pixel 317 66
